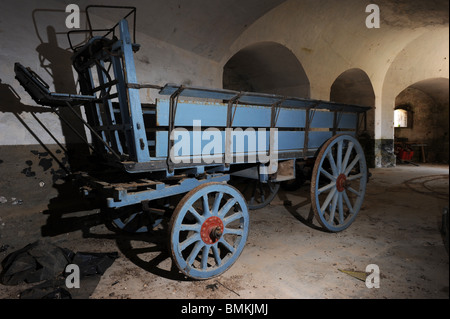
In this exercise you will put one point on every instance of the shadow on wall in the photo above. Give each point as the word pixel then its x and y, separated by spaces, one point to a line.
pixel 10 102
pixel 56 62
pixel 63 154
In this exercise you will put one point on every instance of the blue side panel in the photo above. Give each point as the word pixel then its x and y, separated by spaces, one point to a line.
pixel 215 115
pixel 294 118
pixel 322 119
pixel 161 144
pixel 348 121
pixel 291 141
pixel 210 114
pixel 252 116
pixel 316 139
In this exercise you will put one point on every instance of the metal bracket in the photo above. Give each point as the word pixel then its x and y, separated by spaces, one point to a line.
pixel 228 137
pixel 310 112
pixel 172 114
pixel 337 120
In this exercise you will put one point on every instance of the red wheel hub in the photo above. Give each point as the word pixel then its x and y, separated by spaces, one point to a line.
pixel 341 183
pixel 212 230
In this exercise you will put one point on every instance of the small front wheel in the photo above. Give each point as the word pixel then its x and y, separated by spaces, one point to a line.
pixel 208 230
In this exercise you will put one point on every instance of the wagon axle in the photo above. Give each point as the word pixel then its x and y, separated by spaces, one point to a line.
pixel 342 183
pixel 212 230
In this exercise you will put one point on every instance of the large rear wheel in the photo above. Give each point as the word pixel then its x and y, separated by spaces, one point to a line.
pixel 338 183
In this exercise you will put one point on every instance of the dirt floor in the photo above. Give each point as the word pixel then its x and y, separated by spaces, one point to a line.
pixel 286 256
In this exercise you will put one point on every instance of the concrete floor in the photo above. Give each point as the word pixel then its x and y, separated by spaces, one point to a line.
pixel 286 257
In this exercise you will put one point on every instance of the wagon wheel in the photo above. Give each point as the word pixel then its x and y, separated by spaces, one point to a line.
pixel 338 183
pixel 208 230
pixel 257 194
pixel 134 219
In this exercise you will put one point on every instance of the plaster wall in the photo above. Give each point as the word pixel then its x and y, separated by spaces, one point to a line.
pixel 34 35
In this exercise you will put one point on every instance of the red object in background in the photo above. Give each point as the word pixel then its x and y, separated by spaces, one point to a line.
pixel 405 155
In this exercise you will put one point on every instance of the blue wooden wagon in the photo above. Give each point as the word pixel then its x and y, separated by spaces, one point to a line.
pixel 194 143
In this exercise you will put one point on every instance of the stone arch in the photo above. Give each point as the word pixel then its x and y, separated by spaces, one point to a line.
pixel 355 87
pixel 266 67
pixel 427 102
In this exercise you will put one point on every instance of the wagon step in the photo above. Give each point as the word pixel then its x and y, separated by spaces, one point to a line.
pixel 125 194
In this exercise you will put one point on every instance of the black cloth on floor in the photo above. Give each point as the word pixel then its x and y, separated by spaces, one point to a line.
pixel 46 263
pixel 34 263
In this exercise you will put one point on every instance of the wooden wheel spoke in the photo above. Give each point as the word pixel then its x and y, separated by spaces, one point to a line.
pixel 190 227
pixel 332 163
pixel 327 175
pixel 339 156
pixel 341 209
pixel 233 231
pixel 354 191
pixel 189 241
pixel 216 254
pixel 333 207
pixel 232 218
pixel 206 209
pixel 347 202
pixel 205 256
pixel 355 177
pixel 328 199
pixel 227 245
pixel 197 216
pixel 216 206
pixel 226 208
pixel 326 188
pixel 352 165
pixel 194 253
pixel 347 155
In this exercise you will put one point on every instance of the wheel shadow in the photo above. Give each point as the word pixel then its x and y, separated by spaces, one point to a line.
pixel 301 211
pixel 149 251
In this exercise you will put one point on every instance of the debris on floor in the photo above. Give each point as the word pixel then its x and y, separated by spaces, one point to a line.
pixel 16 201
pixel 3 248
pixel 44 263
pixel 360 275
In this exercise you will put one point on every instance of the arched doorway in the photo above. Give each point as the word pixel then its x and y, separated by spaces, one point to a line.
pixel 354 87
pixel 426 105
pixel 266 67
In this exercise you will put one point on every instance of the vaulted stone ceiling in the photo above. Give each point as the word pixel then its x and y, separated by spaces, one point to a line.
pixel 209 27
pixel 204 27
